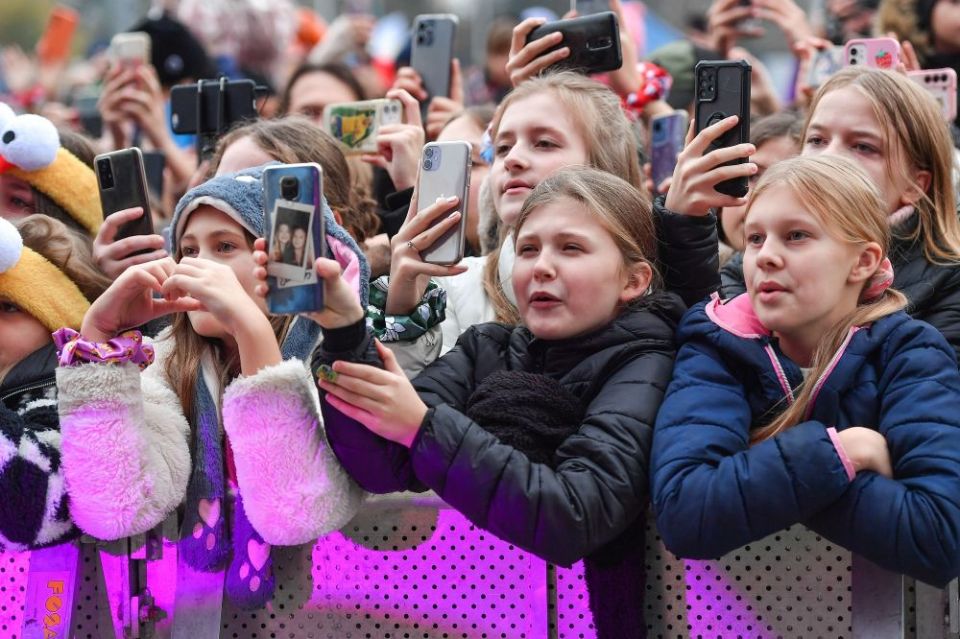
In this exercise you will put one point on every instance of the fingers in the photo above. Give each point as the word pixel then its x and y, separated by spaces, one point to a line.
pixel 349 395
pixel 389 359
pixel 411 107
pixel 711 134
pixel 135 243
pixel 726 154
pixel 348 409
pixel 420 220
pixel 456 82
pixel 359 378
pixel 410 81
pixel 520 32
pixel 113 222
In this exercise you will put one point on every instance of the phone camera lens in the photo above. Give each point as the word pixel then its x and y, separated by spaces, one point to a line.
pixel 289 187
pixel 427 165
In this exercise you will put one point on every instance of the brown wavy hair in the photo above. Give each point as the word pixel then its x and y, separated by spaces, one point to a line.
pixel 68 249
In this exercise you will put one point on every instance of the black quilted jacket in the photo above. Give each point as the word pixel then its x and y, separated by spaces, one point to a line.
pixel 599 484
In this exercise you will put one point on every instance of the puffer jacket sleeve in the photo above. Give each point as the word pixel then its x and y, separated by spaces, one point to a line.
pixel 943 313
pixel 126 454
pixel 688 253
pixel 712 491
pixel 911 523
pixel 33 499
pixel 596 490
pixel 731 278
pixel 293 488
pixel 377 464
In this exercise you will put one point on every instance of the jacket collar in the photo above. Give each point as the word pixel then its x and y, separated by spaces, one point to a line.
pixel 38 365
pixel 736 316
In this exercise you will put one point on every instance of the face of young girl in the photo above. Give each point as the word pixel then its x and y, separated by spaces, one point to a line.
pixel 212 235
pixel 537 136
pixel 945 21
pixel 569 277
pixel 20 335
pixel 283 233
pixel 845 124
pixel 299 238
pixel 16 198
pixel 797 274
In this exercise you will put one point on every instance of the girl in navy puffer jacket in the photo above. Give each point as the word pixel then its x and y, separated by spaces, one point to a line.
pixel 813 397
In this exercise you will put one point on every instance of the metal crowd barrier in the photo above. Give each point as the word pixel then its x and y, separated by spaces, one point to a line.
pixel 409 566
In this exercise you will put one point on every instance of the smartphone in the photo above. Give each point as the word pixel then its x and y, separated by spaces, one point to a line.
pixel 594 42
pixel 54 45
pixel 356 124
pixel 666 141
pixel 942 85
pixel 723 89
pixel 588 7
pixel 88 114
pixel 879 53
pixel 237 99
pixel 154 163
pixel 123 185
pixel 432 52
pixel 296 237
pixel 130 49
pixel 445 171
pixel 825 63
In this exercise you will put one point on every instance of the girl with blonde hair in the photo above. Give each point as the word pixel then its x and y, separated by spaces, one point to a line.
pixel 893 130
pixel 813 398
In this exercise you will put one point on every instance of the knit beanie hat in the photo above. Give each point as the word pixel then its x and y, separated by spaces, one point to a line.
pixel 174 52
pixel 36 285
pixel 30 150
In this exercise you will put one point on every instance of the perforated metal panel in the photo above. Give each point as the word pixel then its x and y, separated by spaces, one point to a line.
pixel 411 567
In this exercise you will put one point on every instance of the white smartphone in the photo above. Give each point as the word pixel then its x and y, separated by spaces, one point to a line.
pixel 445 171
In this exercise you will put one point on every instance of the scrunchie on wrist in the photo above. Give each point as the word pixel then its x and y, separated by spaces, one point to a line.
pixel 655 84
pixel 72 349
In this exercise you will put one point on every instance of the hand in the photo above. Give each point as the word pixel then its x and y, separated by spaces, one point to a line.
pixel 115 120
pixel 692 191
pixel 411 82
pixel 443 108
pixel 409 274
pixel 909 61
pixel 867 449
pixel 399 145
pixel 341 304
pixel 726 24
pixel 763 95
pixel 528 60
pixel 346 34
pixel 130 301
pixel 655 189
pixel 115 257
pixel 791 19
pixel 19 69
pixel 805 50
pixel 216 287
pixel 383 400
pixel 142 101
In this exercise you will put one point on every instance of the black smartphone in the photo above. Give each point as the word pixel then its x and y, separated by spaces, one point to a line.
pixel 723 89
pixel 123 185
pixel 431 53
pixel 296 236
pixel 445 171
pixel 188 114
pixel 594 42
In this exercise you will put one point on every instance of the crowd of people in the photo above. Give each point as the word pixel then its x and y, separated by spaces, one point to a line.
pixel 606 345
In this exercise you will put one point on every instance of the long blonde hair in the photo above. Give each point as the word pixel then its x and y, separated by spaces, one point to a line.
pixel 610 141
pixel 911 121
pixel 839 194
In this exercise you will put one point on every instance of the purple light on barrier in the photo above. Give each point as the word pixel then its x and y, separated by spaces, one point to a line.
pixel 716 606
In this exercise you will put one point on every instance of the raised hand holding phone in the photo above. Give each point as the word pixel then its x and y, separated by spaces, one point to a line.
pixel 398 145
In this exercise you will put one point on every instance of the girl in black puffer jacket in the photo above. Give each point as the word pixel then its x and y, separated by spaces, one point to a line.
pixel 539 433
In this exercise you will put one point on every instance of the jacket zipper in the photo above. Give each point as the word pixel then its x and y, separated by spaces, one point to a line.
pixel 26 388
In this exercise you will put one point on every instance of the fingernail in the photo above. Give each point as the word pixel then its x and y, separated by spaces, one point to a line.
pixel 326 373
pixel 452 198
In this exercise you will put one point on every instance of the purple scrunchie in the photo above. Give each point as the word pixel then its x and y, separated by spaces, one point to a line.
pixel 72 349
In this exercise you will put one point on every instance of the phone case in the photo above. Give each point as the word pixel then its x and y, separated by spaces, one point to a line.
pixel 594 42
pixel 432 52
pixel 130 48
pixel 942 85
pixel 445 171
pixel 238 104
pixel 154 162
pixel 879 53
pixel 668 134
pixel 589 7
pixel 356 124
pixel 54 45
pixel 292 198
pixel 722 90
pixel 123 185
pixel 825 63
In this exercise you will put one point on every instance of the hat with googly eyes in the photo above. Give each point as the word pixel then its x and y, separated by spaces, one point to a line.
pixel 36 285
pixel 30 150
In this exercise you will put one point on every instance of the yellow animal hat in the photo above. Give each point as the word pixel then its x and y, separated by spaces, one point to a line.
pixel 30 150
pixel 33 283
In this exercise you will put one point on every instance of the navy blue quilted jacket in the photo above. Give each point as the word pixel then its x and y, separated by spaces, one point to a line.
pixel 713 492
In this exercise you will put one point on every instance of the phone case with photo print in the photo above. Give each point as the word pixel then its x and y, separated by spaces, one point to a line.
pixel 295 237
pixel 355 125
